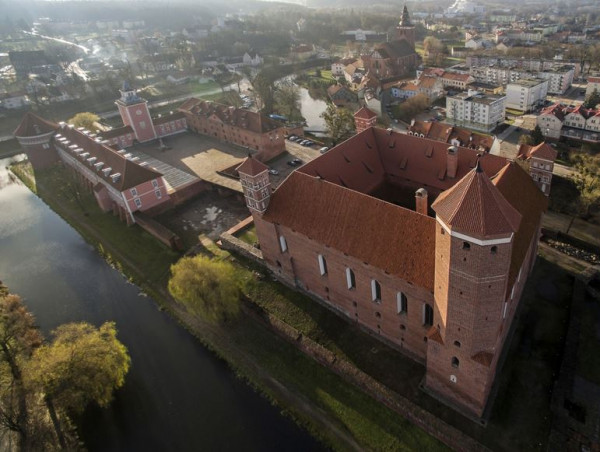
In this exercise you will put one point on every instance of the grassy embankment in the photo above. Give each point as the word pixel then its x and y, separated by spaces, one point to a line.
pixel 331 409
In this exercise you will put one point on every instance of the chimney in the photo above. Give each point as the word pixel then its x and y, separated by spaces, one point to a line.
pixel 421 201
pixel 452 162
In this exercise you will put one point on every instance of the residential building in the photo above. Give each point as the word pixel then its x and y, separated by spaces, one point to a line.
pixel 364 118
pixel 541 164
pixel 475 110
pixel 233 125
pixel 575 123
pixel 437 272
pixel 341 96
pixel 454 136
pixel 593 84
pixel 524 95
pixel 252 58
pixel 559 78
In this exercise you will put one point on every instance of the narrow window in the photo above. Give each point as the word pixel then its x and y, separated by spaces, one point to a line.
pixel 455 361
pixel 427 315
pixel 457 344
pixel 134 191
pixel 322 265
pixel 158 193
pixel 375 291
pixel 401 303
pixel 350 280
pixel 282 244
pixel 494 249
pixel 505 309
pixel 138 202
pixel 155 183
pixel 466 246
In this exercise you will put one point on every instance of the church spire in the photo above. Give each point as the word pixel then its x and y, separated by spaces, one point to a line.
pixel 405 19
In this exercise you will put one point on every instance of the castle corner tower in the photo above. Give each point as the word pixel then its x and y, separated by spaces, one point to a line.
pixel 254 177
pixel 35 135
pixel 474 243
pixel 134 113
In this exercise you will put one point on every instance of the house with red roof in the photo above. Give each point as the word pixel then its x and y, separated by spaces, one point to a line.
pixel 575 123
pixel 426 245
pixel 541 163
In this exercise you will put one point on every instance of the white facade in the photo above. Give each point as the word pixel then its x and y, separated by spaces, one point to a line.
pixel 559 79
pixel 593 84
pixel 475 110
pixel 525 95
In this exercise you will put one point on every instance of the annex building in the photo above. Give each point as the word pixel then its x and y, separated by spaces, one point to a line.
pixel 425 245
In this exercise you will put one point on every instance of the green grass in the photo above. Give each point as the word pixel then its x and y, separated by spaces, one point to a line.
pixel 510 111
pixel 248 235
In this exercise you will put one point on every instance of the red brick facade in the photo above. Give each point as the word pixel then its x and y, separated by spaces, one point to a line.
pixel 447 289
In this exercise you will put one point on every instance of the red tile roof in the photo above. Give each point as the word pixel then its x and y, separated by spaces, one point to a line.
pixel 341 219
pixel 474 206
pixel 118 132
pixel 517 187
pixel 132 173
pixel 168 118
pixel 365 113
pixel 244 119
pixel 252 167
pixel 542 151
pixel 32 125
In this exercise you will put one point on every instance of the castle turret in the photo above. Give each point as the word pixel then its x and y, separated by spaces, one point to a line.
pixel 35 135
pixel 405 28
pixel 254 177
pixel 475 233
pixel 135 113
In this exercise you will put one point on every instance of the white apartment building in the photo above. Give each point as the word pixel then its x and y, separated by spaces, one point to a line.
pixel 593 84
pixel 559 78
pixel 525 94
pixel 475 110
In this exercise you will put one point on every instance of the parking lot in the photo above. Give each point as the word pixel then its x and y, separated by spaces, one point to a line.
pixel 293 151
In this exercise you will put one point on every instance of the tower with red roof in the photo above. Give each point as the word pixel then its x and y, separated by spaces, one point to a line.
pixel 135 113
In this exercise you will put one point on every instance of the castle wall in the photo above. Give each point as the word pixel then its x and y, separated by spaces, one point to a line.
pixel 300 265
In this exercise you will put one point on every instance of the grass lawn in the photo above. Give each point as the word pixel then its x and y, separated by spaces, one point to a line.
pixel 248 235
pixel 534 351
pixel 325 74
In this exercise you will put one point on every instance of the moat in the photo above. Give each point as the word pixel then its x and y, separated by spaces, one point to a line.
pixel 177 396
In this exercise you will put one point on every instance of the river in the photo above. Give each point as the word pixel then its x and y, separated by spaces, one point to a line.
pixel 177 396
pixel 311 109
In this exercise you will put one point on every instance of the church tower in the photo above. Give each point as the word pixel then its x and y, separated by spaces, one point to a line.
pixel 405 29
pixel 134 113
pixel 256 184
pixel 474 242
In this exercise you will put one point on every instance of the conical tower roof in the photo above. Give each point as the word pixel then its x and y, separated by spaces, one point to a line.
pixel 32 125
pixel 474 206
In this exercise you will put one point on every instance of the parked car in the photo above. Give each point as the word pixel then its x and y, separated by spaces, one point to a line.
pixel 273 171
pixel 323 150
pixel 292 137
pixel 308 143
pixel 294 162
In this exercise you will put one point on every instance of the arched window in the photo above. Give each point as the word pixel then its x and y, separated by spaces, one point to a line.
pixel 427 315
pixel 375 291
pixel 466 246
pixel 455 361
pixel 322 265
pixel 282 244
pixel 401 303
pixel 350 280
pixel 457 344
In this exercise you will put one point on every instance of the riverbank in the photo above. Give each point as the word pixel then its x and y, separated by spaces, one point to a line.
pixel 342 416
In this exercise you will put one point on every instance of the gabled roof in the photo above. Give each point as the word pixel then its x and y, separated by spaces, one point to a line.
pixel 542 151
pixel 251 167
pixel 395 49
pixel 132 173
pixel 474 206
pixel 244 119
pixel 341 219
pixel 32 125
pixel 365 113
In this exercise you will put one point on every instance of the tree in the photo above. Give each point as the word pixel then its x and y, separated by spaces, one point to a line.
pixel 525 139
pixel 537 136
pixel 207 288
pixel 586 179
pixel 287 100
pixel 18 337
pixel 86 120
pixel 413 106
pixel 264 88
pixel 434 50
pixel 82 364
pixel 338 121
pixel 592 100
